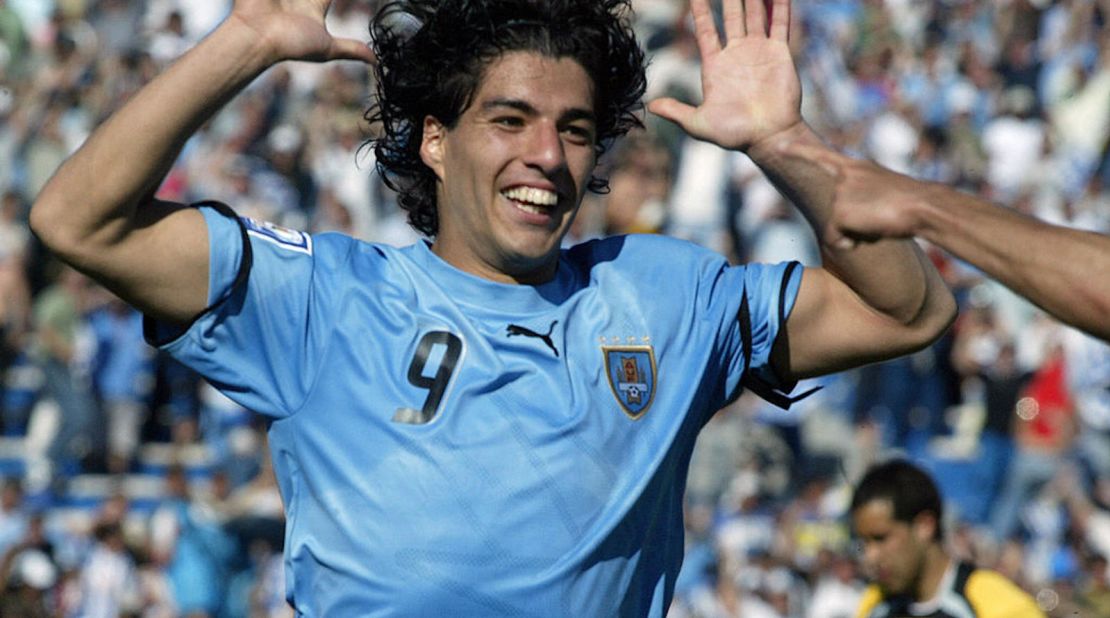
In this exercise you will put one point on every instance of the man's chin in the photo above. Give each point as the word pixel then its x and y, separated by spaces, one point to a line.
pixel 533 269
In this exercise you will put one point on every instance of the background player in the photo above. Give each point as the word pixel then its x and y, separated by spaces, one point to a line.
pixel 898 518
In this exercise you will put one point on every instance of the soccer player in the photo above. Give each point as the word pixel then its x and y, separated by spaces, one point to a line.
pixel 1061 270
pixel 897 516
pixel 483 424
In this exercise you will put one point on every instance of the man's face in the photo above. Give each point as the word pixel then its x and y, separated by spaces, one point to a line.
pixel 893 551
pixel 513 170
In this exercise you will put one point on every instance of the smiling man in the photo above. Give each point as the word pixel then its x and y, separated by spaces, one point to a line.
pixel 514 168
pixel 897 517
pixel 484 423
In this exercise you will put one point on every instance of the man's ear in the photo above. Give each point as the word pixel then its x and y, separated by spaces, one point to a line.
pixel 432 144
pixel 925 526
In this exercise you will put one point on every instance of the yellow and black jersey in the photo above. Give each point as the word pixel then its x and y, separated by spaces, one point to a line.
pixel 965 592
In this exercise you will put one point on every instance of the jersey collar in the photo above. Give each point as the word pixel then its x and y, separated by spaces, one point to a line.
pixel 493 296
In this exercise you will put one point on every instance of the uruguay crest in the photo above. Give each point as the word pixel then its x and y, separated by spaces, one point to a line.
pixel 631 373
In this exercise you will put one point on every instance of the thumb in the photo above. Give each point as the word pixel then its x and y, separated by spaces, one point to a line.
pixel 351 49
pixel 673 110
pixel 836 239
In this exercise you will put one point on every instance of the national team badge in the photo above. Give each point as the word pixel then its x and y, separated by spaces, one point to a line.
pixel 631 373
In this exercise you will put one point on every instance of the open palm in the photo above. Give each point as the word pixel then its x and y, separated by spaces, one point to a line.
pixel 294 30
pixel 750 86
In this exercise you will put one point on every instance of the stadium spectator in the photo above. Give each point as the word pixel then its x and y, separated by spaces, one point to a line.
pixel 1087 367
pixel 187 542
pixel 838 590
pixel 993 383
pixel 169 41
pixel 1014 143
pixel 109 581
pixel 1093 594
pixel 639 185
pixel 26 581
pixel 1044 435
pixel 15 293
pixel 58 322
pixel 13 514
pixel 123 378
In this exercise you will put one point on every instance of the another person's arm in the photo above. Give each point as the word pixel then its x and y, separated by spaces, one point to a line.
pixel 863 305
pixel 98 212
pixel 1064 271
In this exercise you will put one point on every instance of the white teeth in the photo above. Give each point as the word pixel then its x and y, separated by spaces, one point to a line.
pixel 527 196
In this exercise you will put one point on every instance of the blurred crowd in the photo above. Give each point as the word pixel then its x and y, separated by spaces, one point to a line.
pixel 1008 99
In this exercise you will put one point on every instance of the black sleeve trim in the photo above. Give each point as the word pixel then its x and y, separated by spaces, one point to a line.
pixel 158 338
pixel 780 351
pixel 780 348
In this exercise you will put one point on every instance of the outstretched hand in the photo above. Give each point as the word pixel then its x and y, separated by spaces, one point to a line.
pixel 750 86
pixel 295 30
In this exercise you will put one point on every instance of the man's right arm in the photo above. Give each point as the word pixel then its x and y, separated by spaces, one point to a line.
pixel 1062 270
pixel 98 212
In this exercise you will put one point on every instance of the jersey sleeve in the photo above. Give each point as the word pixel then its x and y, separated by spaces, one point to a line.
pixel 763 300
pixel 259 341
pixel 993 596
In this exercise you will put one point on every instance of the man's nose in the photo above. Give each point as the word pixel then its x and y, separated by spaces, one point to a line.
pixel 870 554
pixel 545 149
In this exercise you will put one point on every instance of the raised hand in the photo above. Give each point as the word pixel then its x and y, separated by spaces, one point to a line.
pixel 294 30
pixel 750 86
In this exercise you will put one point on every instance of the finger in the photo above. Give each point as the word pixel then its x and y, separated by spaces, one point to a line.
pixel 351 49
pixel 734 19
pixel 842 238
pixel 755 16
pixel 780 20
pixel 835 239
pixel 673 110
pixel 705 29
pixel 845 244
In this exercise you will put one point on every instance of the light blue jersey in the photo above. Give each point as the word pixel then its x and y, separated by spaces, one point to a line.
pixel 450 446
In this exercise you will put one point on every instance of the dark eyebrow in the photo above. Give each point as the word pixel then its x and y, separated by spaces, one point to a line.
pixel 577 113
pixel 570 115
pixel 517 104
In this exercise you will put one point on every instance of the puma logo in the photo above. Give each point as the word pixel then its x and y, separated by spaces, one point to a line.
pixel 513 330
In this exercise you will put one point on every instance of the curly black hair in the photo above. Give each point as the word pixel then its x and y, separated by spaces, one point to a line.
pixel 432 55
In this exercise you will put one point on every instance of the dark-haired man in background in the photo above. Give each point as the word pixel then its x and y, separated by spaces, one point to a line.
pixel 897 516
pixel 483 424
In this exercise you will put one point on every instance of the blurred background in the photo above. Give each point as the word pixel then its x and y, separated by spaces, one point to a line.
pixel 131 487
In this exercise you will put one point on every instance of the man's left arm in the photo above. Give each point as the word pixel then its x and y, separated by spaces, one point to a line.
pixel 863 305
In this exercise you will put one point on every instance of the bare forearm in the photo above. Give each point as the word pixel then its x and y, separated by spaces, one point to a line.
pixel 1064 271
pixel 893 277
pixel 122 163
